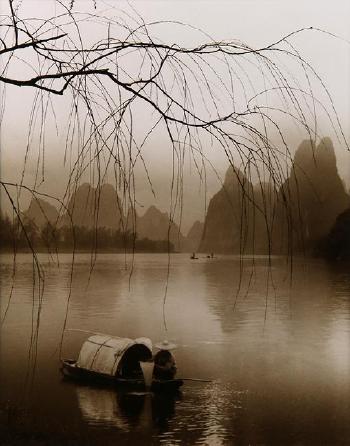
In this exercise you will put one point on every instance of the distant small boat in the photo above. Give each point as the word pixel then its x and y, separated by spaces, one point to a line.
pixel 193 256
pixel 114 360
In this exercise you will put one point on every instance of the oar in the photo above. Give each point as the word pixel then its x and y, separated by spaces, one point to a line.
pixel 88 331
pixel 197 379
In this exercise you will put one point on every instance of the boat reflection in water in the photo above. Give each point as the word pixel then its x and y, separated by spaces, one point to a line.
pixel 125 410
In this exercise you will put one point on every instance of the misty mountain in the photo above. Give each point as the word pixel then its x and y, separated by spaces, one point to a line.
pixel 243 218
pixel 239 217
pixel 314 193
pixel 94 207
pixel 40 212
pixel 265 203
pixel 194 236
pixel 225 227
pixel 155 225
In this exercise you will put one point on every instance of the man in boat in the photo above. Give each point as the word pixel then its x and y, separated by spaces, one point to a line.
pixel 164 361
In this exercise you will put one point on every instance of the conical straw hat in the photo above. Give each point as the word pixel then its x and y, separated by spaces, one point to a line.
pixel 165 345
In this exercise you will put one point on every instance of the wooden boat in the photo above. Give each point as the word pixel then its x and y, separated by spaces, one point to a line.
pixel 116 361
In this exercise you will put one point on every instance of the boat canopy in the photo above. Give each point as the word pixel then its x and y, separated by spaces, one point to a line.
pixel 113 356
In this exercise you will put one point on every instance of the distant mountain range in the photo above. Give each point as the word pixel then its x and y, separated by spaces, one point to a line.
pixel 241 217
pixel 90 207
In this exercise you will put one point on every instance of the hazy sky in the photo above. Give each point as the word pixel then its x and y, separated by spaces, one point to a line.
pixel 256 22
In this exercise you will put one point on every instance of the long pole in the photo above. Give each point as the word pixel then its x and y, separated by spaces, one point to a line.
pixel 197 379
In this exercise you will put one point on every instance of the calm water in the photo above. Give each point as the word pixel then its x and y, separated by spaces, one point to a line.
pixel 275 345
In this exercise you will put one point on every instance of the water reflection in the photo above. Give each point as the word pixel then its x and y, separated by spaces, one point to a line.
pixel 110 408
pixel 126 410
pixel 163 409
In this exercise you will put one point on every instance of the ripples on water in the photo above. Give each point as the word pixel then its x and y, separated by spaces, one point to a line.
pixel 276 346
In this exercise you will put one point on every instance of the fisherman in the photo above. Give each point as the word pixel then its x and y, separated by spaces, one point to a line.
pixel 164 361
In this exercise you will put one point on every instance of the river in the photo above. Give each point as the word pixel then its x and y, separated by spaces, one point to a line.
pixel 273 338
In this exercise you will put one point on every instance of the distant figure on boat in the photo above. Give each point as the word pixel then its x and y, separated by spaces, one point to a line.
pixel 193 256
pixel 164 362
